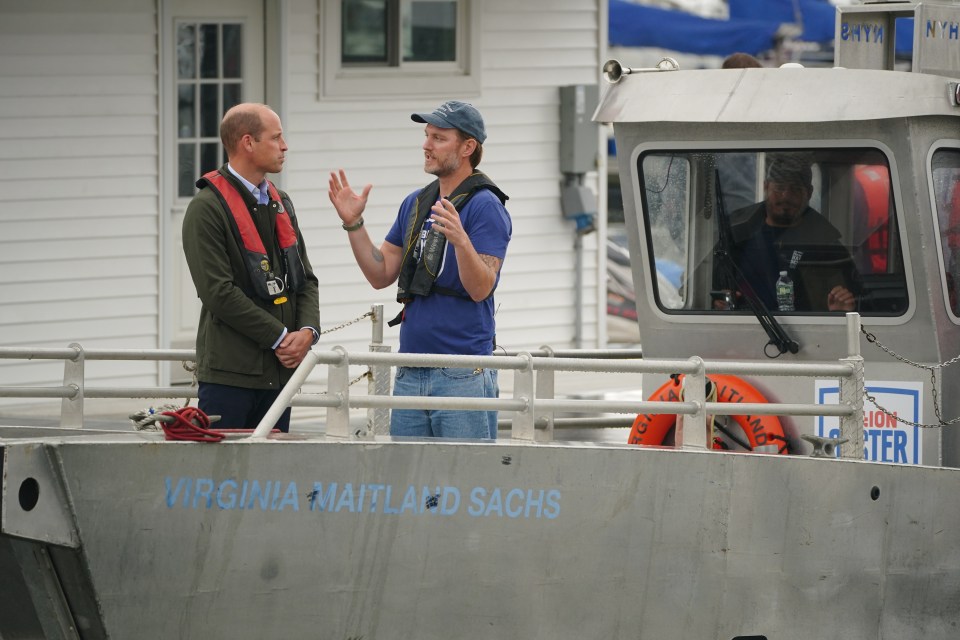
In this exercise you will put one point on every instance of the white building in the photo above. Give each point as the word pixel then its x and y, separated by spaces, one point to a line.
pixel 107 106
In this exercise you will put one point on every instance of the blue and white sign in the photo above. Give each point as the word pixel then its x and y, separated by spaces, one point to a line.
pixel 885 439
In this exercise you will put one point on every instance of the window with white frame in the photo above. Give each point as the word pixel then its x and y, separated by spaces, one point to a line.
pixel 397 47
pixel 209 81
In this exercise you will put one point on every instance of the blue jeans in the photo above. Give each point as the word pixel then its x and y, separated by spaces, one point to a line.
pixel 444 383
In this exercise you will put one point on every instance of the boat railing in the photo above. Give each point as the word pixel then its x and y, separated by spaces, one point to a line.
pixel 532 403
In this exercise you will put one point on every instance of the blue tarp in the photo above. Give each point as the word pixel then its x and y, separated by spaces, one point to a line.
pixel 752 27
pixel 633 25
pixel 904 36
pixel 818 17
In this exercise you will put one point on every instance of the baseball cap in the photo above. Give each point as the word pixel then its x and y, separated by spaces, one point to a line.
pixel 454 114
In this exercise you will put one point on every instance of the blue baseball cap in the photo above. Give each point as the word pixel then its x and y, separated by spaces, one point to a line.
pixel 454 114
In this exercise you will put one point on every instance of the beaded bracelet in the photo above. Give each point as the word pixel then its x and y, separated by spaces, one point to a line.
pixel 353 227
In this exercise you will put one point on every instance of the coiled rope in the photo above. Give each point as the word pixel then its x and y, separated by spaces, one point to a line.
pixel 189 423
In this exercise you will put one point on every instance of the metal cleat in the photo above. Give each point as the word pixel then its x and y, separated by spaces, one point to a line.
pixel 823 447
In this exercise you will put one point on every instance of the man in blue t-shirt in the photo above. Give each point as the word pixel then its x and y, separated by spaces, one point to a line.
pixel 444 251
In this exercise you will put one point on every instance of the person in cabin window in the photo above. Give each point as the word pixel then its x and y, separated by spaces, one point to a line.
pixel 260 301
pixel 783 233
pixel 444 250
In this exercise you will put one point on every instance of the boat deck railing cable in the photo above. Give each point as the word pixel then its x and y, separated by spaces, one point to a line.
pixel 532 407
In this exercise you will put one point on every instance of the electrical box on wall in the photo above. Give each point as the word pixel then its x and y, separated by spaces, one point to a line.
pixel 578 132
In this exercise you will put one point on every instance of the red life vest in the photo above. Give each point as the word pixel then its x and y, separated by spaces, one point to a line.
pixel 267 283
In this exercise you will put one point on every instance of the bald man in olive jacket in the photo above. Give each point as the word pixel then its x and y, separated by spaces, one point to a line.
pixel 260 301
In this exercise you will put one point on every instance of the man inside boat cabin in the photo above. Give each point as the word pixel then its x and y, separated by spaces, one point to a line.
pixel 260 300
pixel 444 250
pixel 783 233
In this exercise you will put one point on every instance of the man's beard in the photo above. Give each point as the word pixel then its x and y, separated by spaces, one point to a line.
pixel 444 167
pixel 785 216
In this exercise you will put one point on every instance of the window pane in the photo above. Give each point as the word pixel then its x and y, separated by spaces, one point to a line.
pixel 186 51
pixel 209 65
pixel 209 111
pixel 231 95
pixel 665 180
pixel 430 32
pixel 826 216
pixel 186 111
pixel 364 31
pixel 232 50
pixel 946 188
pixel 186 170
pixel 209 157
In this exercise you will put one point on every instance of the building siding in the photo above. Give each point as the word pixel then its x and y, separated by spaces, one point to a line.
pixel 529 50
pixel 79 173
pixel 80 158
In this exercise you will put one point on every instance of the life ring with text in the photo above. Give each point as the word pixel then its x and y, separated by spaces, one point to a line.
pixel 652 429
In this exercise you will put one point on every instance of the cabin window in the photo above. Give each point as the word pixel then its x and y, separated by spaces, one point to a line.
pixel 722 225
pixel 946 191
pixel 209 81
pixel 377 47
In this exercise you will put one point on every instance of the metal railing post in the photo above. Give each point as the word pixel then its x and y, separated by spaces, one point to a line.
pixel 338 386
pixel 691 430
pixel 378 384
pixel 533 399
pixel 289 390
pixel 851 394
pixel 545 388
pixel 71 409
pixel 524 422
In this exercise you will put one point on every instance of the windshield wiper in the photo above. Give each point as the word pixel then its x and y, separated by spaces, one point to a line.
pixel 731 273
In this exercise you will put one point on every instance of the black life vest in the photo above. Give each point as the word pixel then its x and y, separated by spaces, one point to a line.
pixel 266 283
pixel 418 273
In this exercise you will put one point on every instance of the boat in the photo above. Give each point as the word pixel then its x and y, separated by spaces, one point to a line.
pixel 849 530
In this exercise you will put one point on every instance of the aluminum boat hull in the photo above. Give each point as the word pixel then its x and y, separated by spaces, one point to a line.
pixel 408 539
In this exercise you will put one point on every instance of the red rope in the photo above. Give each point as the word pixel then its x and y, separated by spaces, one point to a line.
pixel 190 424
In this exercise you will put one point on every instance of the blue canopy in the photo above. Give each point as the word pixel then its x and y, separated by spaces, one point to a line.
pixel 904 36
pixel 818 17
pixel 633 25
pixel 752 27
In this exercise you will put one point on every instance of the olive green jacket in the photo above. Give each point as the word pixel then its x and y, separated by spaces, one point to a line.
pixel 237 329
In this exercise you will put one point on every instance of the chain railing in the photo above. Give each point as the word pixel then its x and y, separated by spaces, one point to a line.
pixel 74 390
pixel 932 368
pixel 527 403
pixel 532 406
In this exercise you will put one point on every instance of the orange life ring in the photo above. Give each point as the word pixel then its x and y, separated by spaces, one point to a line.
pixel 759 430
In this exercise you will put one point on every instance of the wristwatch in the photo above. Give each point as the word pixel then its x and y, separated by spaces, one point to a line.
pixel 316 335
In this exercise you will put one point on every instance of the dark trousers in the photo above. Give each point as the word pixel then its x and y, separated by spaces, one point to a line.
pixel 239 408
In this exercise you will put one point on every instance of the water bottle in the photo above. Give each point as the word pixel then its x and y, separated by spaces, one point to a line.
pixel 433 245
pixel 784 292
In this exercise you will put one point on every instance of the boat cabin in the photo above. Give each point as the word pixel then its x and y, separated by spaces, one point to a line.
pixel 711 162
